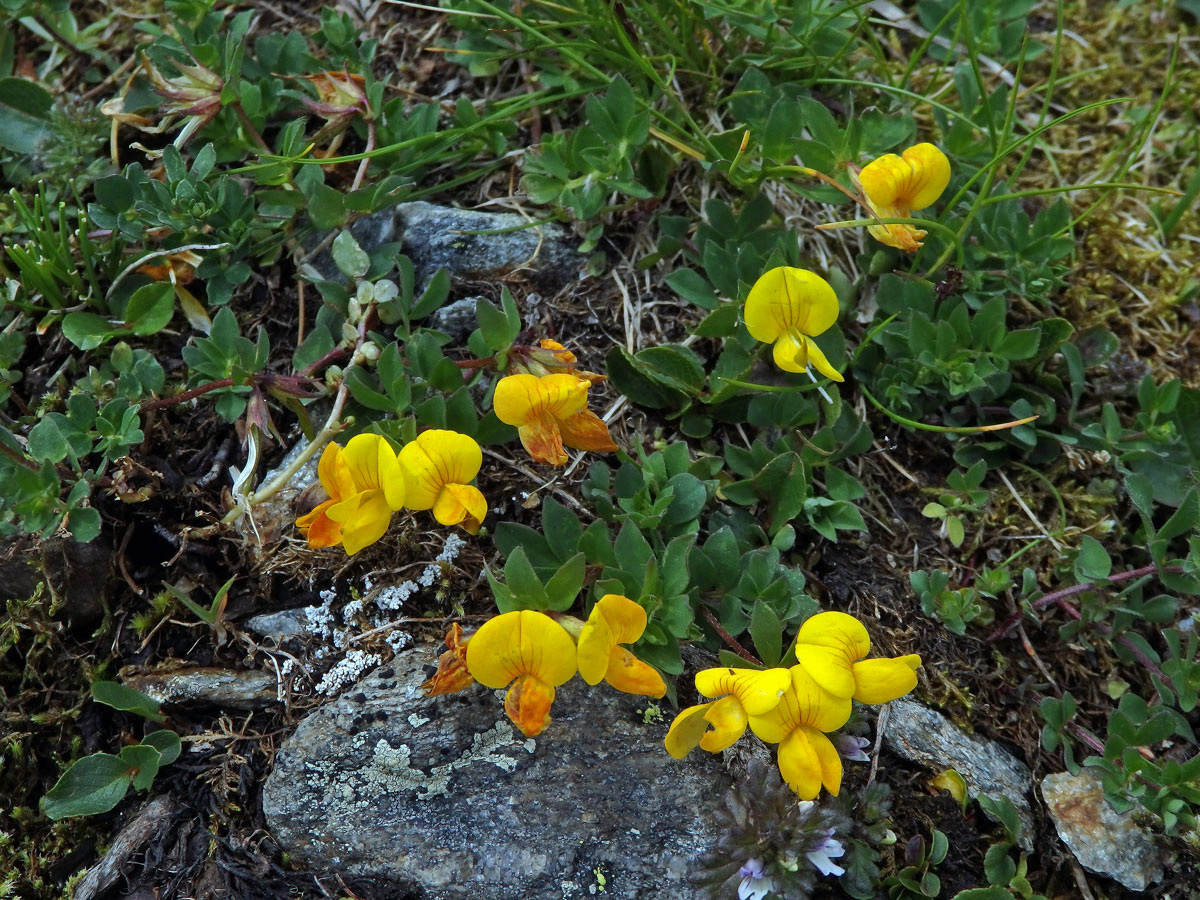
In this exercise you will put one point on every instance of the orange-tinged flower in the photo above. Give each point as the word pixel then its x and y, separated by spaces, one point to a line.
pixel 807 758
pixel 789 306
pixel 550 411
pixel 452 673
pixel 530 654
pixel 895 186
pixel 717 725
pixel 830 646
pixel 365 487
pixel 438 467
pixel 194 93
pixel 549 358
pixel 616 620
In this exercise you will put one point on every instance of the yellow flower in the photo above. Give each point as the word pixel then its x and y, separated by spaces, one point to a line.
pixel 830 646
pixel 807 759
pixel 894 186
pixel 741 693
pixel 789 306
pixel 438 467
pixel 617 620
pixel 530 654
pixel 365 486
pixel 548 412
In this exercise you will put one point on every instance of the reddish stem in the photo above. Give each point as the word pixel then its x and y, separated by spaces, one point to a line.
pixel 159 403
pixel 475 363
pixel 729 638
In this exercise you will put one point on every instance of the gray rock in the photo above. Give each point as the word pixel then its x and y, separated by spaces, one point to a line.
pixel 929 738
pixel 226 688
pixel 281 625
pixel 1107 842
pixel 437 237
pixel 443 796
pixel 456 319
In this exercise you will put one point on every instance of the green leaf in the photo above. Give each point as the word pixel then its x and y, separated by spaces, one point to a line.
pixel 47 442
pixel 84 524
pixel 24 115
pixel 673 366
pixel 150 308
pixel 1093 562
pixel 767 632
pixel 693 287
pixel 523 582
pixel 565 584
pixel 114 193
pixel 143 761
pixel 326 206
pixel 435 295
pixel 119 696
pixel 351 260
pixel 86 330
pixel 92 785
pixel 561 528
pixel 166 742
pixel 495 326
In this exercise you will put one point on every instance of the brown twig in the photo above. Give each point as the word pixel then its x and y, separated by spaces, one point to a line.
pixel 729 638
pixel 193 393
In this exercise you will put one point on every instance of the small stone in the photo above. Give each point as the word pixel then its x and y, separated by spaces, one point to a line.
pixel 225 688
pixel 446 798
pixel 929 738
pixel 1103 840
pixel 456 319
pixel 281 625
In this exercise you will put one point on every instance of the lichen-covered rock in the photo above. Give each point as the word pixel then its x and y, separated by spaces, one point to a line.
pixel 1103 840
pixel 205 685
pixel 441 795
pixel 929 738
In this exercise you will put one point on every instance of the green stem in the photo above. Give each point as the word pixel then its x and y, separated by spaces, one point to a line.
pixel 940 429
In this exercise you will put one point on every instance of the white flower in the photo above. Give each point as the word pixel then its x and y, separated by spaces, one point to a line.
pixel 820 855
pixel 755 885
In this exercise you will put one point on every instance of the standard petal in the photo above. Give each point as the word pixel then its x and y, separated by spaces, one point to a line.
pixel 461 504
pixel 365 517
pixel 728 720
pixel 800 765
pixel 815 706
pixel 769 310
pixel 614 620
pixel 827 645
pixel 522 642
pixel 884 181
pixel 586 431
pixel 631 675
pixel 818 361
pixel 361 456
pixel 519 399
pixel 686 731
pixel 437 458
pixel 542 440
pixel 883 680
pixel 929 175
pixel 527 704
pixel 320 530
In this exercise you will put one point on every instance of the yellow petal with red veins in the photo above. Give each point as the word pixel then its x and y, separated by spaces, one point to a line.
pixel 815 706
pixel 364 517
pixel 807 759
pixel 527 704
pixel 320 530
pixel 372 464
pixel 827 645
pixel 542 440
pixel 614 620
pixel 758 690
pixel 787 298
pixel 522 642
pixel 461 504
pixel 435 459
pixel 686 731
pixel 631 675
pixel 334 475
pixel 586 431
pixel 728 720
pixel 883 680
pixel 520 399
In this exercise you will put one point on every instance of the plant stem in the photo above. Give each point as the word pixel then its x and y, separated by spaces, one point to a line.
pixel 729 638
pixel 160 402
pixel 941 429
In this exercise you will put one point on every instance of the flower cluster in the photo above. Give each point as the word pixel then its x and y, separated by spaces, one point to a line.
pixel 796 707
pixel 367 481
pixel 532 654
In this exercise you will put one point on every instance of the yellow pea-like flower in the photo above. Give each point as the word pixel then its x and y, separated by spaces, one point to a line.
pixel 365 486
pixel 797 723
pixel 717 725
pixel 896 186
pixel 788 306
pixel 528 653
pixel 614 621
pixel 548 412
pixel 438 468
pixel 830 647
